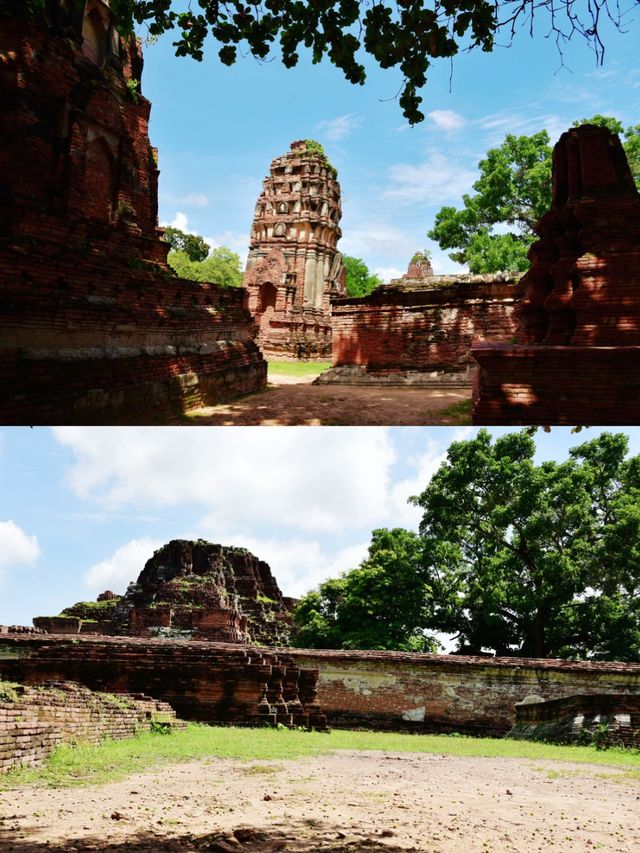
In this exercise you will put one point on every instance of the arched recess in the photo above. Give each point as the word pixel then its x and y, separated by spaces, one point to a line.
pixel 268 296
pixel 95 34
pixel 99 180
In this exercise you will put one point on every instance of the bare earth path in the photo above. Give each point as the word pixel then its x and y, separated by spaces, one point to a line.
pixel 295 401
pixel 349 801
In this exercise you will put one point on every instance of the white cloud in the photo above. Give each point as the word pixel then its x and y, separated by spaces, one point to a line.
pixel 192 200
pixel 337 128
pixel 436 180
pixel 122 567
pixel 17 548
pixel 500 124
pixel 424 467
pixel 447 120
pixel 180 221
pixel 308 479
pixel 367 238
pixel 388 273
pixel 236 241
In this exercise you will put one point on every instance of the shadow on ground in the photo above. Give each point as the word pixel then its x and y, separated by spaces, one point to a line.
pixel 300 838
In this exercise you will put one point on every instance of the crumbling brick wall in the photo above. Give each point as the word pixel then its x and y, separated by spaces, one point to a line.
pixel 577 359
pixel 219 682
pixel 423 326
pixel 35 720
pixel 474 695
pixel 608 719
pixel 205 681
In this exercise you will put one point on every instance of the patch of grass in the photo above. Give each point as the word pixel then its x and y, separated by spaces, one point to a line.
pixel 297 368
pixel 113 760
pixel 460 412
pixel 9 691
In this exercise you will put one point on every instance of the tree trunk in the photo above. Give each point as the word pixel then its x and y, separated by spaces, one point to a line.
pixel 539 645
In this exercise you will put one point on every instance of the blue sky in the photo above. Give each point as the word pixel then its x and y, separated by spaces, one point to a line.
pixel 218 128
pixel 82 509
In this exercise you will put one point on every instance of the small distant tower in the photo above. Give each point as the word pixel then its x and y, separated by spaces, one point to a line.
pixel 294 268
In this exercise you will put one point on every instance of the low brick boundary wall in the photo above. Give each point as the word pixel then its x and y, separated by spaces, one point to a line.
pixel 448 693
pixel 40 718
pixel 224 682
pixel 572 719
pixel 572 385
pixel 397 329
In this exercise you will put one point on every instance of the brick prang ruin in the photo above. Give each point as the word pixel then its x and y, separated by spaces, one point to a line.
pixel 294 268
pixel 189 590
pixel 577 356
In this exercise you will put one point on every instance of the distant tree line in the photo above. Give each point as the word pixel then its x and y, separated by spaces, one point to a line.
pixel 512 556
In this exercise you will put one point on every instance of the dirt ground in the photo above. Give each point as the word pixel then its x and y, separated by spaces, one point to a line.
pixel 349 801
pixel 295 401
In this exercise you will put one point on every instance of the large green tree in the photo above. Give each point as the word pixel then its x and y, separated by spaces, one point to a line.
pixel 406 35
pixel 535 559
pixel 221 266
pixel 360 281
pixel 494 228
pixel 192 245
pixel 379 605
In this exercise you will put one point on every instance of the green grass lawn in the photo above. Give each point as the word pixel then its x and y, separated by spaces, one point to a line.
pixel 461 411
pixel 114 760
pixel 297 368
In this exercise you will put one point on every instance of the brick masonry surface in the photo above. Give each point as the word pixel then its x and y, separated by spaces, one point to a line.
pixel 610 719
pixel 293 266
pixel 40 718
pixel 431 693
pixel 423 325
pixel 206 681
pixel 577 360
pixel 218 682
pixel 96 328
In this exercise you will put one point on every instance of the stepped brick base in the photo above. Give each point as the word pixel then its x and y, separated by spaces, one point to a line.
pixel 44 717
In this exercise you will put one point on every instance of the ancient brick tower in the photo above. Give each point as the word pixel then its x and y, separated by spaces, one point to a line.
pixel 294 267
pixel 95 326
pixel 577 359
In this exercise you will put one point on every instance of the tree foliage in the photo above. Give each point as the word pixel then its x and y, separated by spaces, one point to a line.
pixel 360 281
pixel 494 229
pixel 535 559
pixel 222 266
pixel 404 35
pixel 193 246
pixel 379 605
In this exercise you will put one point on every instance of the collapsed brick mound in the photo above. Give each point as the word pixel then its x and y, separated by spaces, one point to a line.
pixel 190 590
